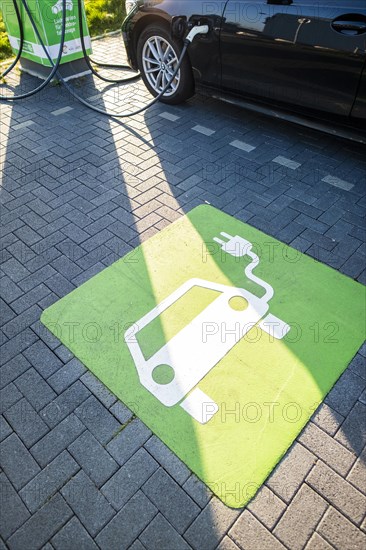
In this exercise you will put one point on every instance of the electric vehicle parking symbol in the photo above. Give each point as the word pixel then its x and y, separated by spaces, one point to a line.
pixel 174 371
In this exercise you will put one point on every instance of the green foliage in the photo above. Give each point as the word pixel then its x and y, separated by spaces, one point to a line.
pixel 103 16
pixel 5 49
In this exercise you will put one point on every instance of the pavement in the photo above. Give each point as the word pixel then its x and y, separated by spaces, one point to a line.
pixel 80 190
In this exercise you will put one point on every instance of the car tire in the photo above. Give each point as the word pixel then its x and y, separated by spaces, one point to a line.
pixel 156 38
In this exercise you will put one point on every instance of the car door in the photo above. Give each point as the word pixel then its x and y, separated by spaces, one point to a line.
pixel 306 53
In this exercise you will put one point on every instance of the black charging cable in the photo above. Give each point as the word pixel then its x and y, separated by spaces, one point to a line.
pixel 54 65
pixel 90 61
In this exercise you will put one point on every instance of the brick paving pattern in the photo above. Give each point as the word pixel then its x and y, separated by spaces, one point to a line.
pixel 79 191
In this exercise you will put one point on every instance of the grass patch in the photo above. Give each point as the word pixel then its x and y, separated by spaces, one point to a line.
pixel 103 16
pixel 5 49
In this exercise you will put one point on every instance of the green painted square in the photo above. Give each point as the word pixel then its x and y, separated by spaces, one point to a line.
pixel 171 302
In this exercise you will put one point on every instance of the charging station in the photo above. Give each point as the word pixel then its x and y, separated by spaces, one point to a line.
pixel 47 14
pixel 54 34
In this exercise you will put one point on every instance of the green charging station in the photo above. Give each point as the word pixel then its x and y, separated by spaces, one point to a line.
pixel 47 15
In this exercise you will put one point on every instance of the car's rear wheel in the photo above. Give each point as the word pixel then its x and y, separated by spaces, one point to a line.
pixel 158 54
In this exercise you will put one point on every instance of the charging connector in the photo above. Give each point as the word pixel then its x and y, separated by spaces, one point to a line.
pixel 198 29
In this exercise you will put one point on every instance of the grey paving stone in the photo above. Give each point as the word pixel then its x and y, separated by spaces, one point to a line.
pixel 196 489
pixel 9 290
pixel 340 532
pixel 121 412
pixel 66 267
pixel 227 544
pixel 318 543
pixel 30 298
pixel 358 366
pixel 137 545
pixel 171 500
pixel 93 458
pixel 250 534
pixel 337 491
pixel 99 389
pixel 6 312
pixel 26 422
pixel 60 285
pixel 327 448
pixel 352 433
pixel 300 519
pixel 22 321
pixel 211 525
pixel 98 419
pixel 36 278
pixel 45 335
pixel 15 270
pixel 66 375
pixel 327 419
pixel 8 396
pixel 170 462
pixel 291 472
pixel 5 429
pixel 13 513
pixel 64 404
pixel 357 475
pixel 362 397
pixel 35 389
pixel 57 440
pixel 160 534
pixel 17 462
pixel 73 535
pixel 45 484
pixel 267 507
pixel 16 345
pixel 63 353
pixel 129 478
pixel 88 503
pixel 43 359
pixel 126 526
pixel 42 525
pixel 363 525
pixel 346 392
pixel 11 370
pixel 127 441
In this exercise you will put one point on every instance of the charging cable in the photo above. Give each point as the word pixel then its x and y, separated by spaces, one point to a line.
pixel 55 65
pixel 239 247
pixel 90 61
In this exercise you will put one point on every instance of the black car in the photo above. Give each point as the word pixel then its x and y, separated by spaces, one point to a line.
pixel 302 54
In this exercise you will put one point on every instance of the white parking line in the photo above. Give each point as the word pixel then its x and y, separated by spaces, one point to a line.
pixel 95 96
pixel 23 125
pixel 242 145
pixel 61 111
pixel 337 182
pixel 286 162
pixel 169 116
pixel 203 130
